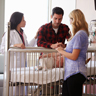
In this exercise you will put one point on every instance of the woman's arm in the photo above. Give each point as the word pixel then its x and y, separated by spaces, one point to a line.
pixel 73 56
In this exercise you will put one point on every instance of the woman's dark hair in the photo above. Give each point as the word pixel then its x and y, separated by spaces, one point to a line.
pixel 15 19
pixel 57 10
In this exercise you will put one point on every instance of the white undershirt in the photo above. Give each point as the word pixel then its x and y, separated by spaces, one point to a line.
pixel 56 30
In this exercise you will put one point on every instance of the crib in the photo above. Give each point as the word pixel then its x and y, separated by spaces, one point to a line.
pixel 29 80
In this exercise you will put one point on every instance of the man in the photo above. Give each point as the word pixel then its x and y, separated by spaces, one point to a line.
pixel 53 34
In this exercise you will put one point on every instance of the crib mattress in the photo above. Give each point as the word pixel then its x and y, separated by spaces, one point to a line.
pixel 28 75
pixel 42 77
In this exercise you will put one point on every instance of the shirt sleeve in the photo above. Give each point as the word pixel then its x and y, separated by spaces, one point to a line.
pixel 41 41
pixel 33 42
pixel 78 42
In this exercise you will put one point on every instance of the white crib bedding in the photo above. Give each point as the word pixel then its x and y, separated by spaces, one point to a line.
pixel 43 77
pixel 28 75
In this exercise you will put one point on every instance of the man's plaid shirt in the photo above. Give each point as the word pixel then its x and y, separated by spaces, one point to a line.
pixel 47 35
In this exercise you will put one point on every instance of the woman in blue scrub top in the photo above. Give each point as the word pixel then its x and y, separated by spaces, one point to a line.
pixel 75 55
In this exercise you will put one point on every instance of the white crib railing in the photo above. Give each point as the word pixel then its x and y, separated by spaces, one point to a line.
pixel 27 80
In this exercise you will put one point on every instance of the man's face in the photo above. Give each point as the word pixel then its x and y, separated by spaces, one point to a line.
pixel 56 20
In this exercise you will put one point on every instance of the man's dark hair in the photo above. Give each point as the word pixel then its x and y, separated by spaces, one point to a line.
pixel 57 10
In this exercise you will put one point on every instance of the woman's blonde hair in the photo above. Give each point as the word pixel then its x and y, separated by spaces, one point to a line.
pixel 78 21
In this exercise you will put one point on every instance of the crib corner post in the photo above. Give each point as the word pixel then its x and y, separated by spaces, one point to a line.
pixel 6 75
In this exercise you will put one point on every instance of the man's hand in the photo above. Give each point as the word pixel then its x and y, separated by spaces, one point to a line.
pixel 58 45
pixel 61 45
pixel 54 45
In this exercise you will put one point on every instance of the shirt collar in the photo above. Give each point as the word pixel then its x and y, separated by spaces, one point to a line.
pixel 52 27
pixel 21 31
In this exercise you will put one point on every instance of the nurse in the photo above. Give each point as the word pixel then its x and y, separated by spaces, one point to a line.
pixel 17 39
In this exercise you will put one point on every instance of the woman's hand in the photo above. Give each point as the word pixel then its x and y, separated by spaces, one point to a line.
pixel 22 46
pixel 60 49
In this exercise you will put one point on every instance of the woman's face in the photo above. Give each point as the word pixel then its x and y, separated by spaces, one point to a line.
pixel 22 23
pixel 71 19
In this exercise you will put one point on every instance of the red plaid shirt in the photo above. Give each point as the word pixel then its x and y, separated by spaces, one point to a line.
pixel 47 35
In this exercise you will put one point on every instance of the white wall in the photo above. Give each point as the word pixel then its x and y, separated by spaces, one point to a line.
pixel 1 18
pixel 88 8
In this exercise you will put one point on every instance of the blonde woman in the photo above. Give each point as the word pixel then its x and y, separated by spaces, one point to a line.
pixel 75 55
